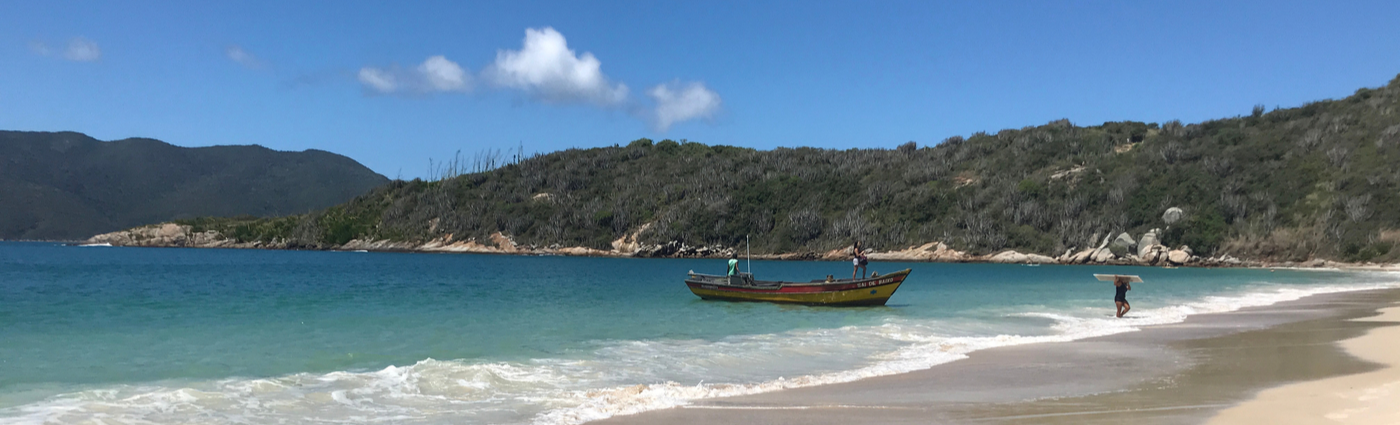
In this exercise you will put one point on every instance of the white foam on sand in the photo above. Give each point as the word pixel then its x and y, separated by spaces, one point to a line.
pixel 925 352
pixel 620 378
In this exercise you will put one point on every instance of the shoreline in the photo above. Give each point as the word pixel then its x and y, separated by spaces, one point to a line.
pixel 170 235
pixel 1184 372
pixel 643 393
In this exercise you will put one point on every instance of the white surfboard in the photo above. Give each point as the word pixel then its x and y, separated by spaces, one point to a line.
pixel 1109 277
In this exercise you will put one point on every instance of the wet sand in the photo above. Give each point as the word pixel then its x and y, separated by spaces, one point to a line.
pixel 1185 373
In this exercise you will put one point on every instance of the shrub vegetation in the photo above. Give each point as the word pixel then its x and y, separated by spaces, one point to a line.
pixel 1289 184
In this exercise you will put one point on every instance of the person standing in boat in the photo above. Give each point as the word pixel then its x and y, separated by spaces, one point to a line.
pixel 858 259
pixel 733 264
pixel 1121 286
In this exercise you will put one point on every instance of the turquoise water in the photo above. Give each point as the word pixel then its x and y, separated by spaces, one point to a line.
pixel 240 336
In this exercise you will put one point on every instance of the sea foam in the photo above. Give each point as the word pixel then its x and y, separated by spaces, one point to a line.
pixel 616 378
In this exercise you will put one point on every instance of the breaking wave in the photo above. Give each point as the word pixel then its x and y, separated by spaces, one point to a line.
pixel 614 378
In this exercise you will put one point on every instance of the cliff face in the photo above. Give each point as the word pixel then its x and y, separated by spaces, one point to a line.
pixel 70 186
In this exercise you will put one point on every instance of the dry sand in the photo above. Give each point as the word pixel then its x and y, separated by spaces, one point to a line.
pixel 1366 398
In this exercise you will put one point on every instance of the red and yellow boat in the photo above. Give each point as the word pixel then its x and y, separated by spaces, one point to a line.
pixel 874 290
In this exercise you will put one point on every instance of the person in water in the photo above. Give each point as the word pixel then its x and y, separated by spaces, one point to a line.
pixel 734 264
pixel 1121 286
pixel 859 260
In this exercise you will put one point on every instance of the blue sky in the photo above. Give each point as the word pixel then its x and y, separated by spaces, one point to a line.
pixel 392 85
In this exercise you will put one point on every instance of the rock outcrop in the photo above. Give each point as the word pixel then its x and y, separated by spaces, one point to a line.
pixel 1148 241
pixel 1013 257
pixel 932 251
pixel 1150 250
pixel 1172 215
pixel 1178 257
pixel 1155 254
pixel 499 244
pixel 164 235
pixel 1103 255
pixel 378 245
pixel 1125 240
pixel 1080 257
pixel 630 244
pixel 1150 247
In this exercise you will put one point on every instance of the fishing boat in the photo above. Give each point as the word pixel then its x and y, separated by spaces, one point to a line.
pixel 874 290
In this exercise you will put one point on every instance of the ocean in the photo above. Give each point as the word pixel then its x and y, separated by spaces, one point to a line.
pixel 174 336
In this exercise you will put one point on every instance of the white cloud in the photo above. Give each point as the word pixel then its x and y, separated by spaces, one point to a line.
pixel 237 54
pixel 82 50
pixel 378 80
pixel 436 74
pixel 443 75
pixel 545 68
pixel 40 48
pixel 676 102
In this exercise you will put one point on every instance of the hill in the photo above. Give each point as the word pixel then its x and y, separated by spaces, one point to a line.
pixel 65 185
pixel 1316 181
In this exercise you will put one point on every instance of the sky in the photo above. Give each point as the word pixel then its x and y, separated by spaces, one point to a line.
pixel 395 84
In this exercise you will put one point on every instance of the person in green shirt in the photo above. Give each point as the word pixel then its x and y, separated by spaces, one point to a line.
pixel 734 264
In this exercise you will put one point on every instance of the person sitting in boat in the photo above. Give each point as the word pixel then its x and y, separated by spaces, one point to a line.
pixel 733 264
pixel 859 260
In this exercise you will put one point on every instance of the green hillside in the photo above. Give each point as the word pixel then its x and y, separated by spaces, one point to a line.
pixel 70 186
pixel 1314 181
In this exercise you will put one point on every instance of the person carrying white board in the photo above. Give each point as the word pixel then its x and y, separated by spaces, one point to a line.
pixel 1121 285
pixel 1120 296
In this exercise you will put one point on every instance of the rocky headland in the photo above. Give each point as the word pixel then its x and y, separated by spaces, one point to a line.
pixel 1122 249
pixel 1288 187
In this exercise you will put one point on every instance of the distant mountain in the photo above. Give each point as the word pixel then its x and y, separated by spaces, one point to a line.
pixel 67 185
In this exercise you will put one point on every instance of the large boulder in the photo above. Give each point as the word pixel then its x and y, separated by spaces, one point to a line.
pixel 1008 257
pixel 1125 240
pixel 942 252
pixel 1064 258
pixel 1153 255
pixel 1149 240
pixel 1147 258
pixel 1082 256
pixel 1106 239
pixel 1013 257
pixel 1172 215
pixel 1103 255
pixel 1178 257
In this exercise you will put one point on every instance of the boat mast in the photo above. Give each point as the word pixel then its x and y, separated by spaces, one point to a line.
pixel 747 258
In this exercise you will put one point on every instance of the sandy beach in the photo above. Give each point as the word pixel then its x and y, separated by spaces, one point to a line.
pixel 1365 398
pixel 1322 359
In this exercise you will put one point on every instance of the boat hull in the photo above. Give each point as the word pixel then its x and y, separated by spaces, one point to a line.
pixel 866 292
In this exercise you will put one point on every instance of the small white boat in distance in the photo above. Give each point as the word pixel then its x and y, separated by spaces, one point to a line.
pixel 1132 278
